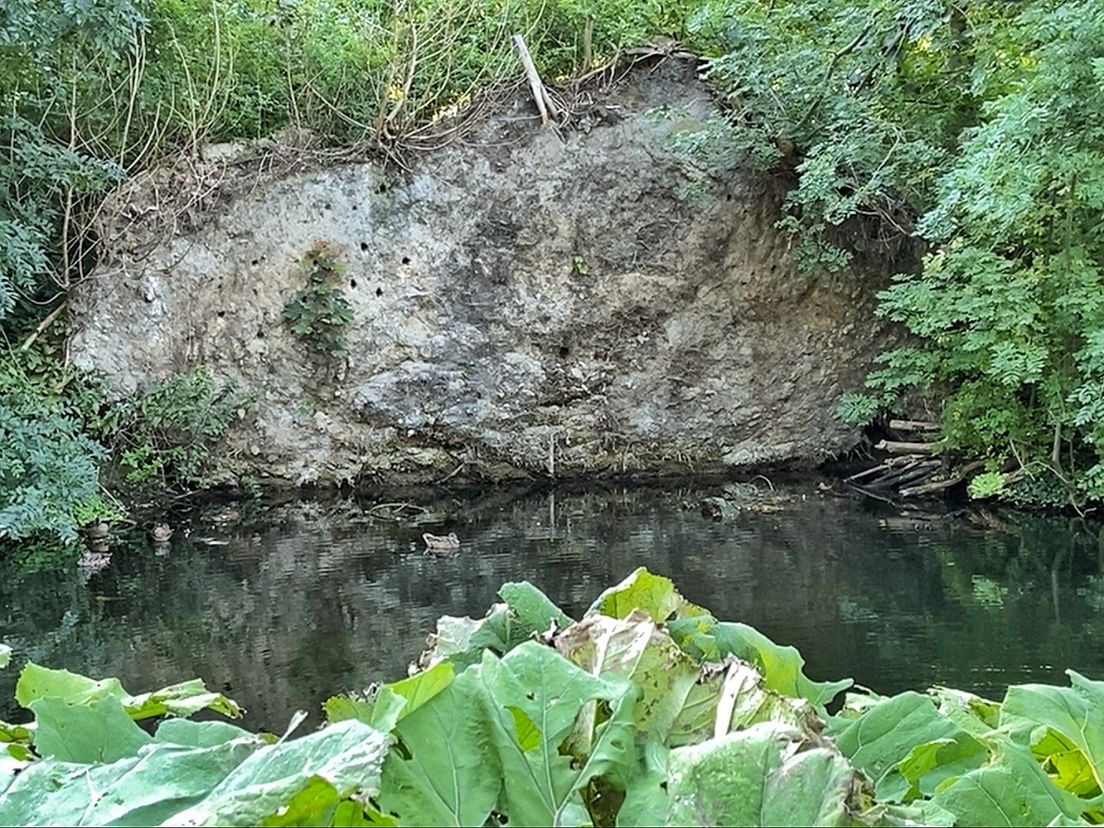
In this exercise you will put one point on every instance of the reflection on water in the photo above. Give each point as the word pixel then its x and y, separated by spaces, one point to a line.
pixel 298 601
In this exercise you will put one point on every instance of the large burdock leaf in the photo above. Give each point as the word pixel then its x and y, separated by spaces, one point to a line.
pixel 758 776
pixel 1012 789
pixel 348 756
pixel 533 697
pixel 182 699
pixel 97 731
pixel 447 772
pixel 653 595
pixel 889 732
pixel 1075 714
pixel 164 778
pixel 708 639
pixel 635 648
pixel 533 607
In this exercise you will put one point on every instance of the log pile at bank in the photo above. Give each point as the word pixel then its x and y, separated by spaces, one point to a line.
pixel 911 465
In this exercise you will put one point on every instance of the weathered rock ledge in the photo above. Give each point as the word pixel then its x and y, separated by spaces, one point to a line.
pixel 524 306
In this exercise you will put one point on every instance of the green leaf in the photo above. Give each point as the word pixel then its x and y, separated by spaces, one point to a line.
pixel 651 594
pixel 1010 790
pixel 422 687
pixel 758 776
pixel 98 731
pixel 888 732
pixel 182 699
pixel 348 756
pixel 449 772
pixel 533 607
pixel 977 716
pixel 705 638
pixel 147 789
pixel 542 785
pixel 646 799
pixel 929 765
pixel 1076 713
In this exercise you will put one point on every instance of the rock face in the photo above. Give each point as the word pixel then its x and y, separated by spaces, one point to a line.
pixel 526 304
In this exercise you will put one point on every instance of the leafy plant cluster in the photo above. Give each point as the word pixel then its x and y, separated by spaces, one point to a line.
pixel 647 711
pixel 319 313
pixel 971 127
pixel 60 442
pixel 164 436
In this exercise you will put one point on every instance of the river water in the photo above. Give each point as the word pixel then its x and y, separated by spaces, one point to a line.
pixel 281 605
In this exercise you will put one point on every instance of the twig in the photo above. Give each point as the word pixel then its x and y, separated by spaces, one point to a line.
pixel 43 325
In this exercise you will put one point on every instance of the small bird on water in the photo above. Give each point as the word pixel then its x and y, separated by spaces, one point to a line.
pixel 441 544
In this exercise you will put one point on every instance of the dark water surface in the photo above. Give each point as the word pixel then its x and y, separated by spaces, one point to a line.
pixel 297 601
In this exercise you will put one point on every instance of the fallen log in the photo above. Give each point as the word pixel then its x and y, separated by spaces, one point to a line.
pixel 894 447
pixel 868 472
pixel 939 485
pixel 910 474
pixel 913 425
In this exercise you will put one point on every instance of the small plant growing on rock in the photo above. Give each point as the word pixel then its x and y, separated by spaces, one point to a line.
pixel 319 313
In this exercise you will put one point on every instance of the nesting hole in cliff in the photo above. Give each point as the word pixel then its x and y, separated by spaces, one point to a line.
pixel 260 334
pixel 364 247
pixel 564 352
pixel 379 291
pixel 352 284
pixel 327 207
pixel 406 260
pixel 255 262
pixel 382 188
pixel 221 314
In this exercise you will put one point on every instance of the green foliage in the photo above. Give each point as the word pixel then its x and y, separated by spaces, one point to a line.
pixel 605 721
pixel 975 127
pixel 578 728
pixel 987 484
pixel 164 436
pixel 319 313
pixel 49 475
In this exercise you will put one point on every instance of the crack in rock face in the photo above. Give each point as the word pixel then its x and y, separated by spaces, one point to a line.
pixel 523 305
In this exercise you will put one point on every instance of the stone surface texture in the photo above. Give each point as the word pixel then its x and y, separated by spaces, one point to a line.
pixel 528 303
